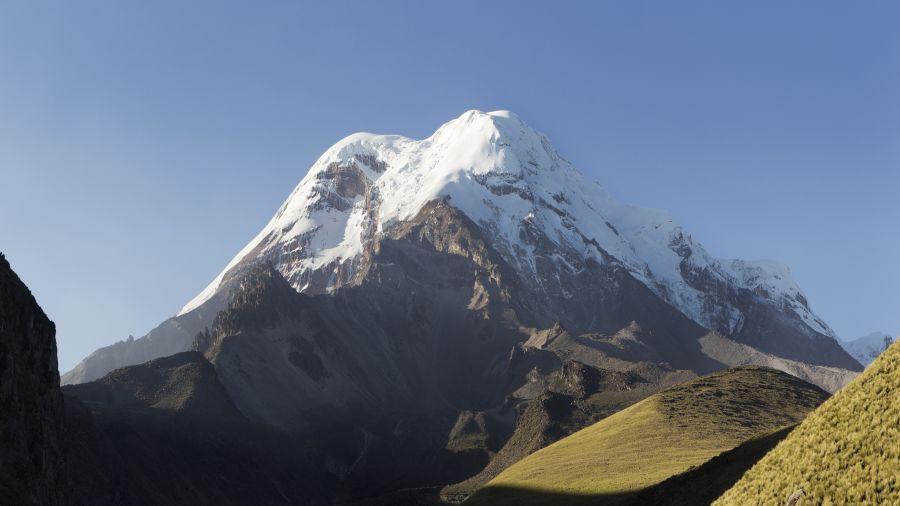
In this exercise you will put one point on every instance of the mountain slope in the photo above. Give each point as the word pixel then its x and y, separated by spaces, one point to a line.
pixel 577 396
pixel 555 232
pixel 659 437
pixel 182 383
pixel 541 213
pixel 865 349
pixel 427 338
pixel 32 460
pixel 845 452
pixel 166 432
pixel 439 316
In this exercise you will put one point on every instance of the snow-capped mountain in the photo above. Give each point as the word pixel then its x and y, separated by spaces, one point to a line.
pixel 868 347
pixel 509 179
pixel 571 248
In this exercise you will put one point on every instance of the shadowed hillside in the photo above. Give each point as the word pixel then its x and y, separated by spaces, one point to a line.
pixel 166 432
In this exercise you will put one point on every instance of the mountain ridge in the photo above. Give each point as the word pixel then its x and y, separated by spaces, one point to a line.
pixel 503 175
pixel 866 349
pixel 552 227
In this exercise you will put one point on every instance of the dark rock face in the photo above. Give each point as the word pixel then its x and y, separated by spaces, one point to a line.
pixel 32 460
pixel 347 180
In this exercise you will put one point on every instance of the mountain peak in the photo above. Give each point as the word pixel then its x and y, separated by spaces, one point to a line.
pixel 476 142
pixel 367 182
pixel 494 126
pixel 509 180
pixel 501 122
pixel 865 349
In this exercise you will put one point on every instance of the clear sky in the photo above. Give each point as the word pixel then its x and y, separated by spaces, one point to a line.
pixel 142 144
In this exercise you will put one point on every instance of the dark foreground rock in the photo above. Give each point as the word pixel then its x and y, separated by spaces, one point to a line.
pixel 32 462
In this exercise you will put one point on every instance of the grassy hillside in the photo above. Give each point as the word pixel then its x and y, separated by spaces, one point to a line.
pixel 664 435
pixel 845 452
pixel 700 486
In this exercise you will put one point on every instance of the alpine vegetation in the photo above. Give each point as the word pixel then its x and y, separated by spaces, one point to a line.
pixel 845 452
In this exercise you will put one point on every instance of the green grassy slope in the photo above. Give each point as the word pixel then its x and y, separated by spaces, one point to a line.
pixel 845 452
pixel 664 435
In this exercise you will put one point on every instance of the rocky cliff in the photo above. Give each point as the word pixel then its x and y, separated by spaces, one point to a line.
pixel 32 460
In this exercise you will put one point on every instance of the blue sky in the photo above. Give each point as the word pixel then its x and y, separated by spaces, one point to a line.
pixel 142 144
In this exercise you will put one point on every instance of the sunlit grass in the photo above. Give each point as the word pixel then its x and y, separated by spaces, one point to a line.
pixel 608 458
pixel 845 452
pixel 661 436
